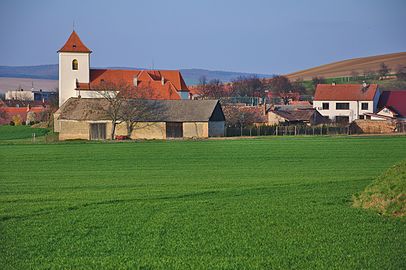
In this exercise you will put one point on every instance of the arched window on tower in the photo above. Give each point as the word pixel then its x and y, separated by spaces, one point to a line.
pixel 75 64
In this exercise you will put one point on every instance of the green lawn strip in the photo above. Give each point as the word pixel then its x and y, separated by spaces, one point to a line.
pixel 20 132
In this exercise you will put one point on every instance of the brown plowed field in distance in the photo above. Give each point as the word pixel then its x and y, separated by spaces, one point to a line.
pixel 346 67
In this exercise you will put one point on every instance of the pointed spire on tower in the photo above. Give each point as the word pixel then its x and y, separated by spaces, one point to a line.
pixel 74 44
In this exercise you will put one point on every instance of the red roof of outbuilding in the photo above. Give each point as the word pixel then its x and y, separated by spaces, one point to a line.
pixel 150 80
pixel 394 100
pixel 74 44
pixel 345 92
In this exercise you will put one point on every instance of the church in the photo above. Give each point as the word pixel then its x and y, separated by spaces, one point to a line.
pixel 81 114
pixel 76 78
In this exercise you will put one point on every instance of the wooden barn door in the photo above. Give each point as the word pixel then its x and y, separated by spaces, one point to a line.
pixel 98 131
pixel 174 130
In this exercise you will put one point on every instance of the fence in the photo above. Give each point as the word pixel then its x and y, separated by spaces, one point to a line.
pixel 288 130
pixel 302 130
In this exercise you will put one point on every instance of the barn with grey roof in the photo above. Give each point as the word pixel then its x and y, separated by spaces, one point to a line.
pixel 88 119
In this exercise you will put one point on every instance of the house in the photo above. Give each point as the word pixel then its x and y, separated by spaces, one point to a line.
pixel 77 79
pixel 19 115
pixel 295 117
pixel 391 106
pixel 346 102
pixel 86 118
pixel 30 95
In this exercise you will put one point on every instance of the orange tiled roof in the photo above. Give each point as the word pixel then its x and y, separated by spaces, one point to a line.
pixel 74 44
pixel 345 92
pixel 147 79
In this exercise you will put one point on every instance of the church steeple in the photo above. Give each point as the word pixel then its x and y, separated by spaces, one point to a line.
pixel 74 67
pixel 74 44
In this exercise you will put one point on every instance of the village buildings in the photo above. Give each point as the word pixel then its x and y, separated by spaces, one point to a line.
pixel 82 107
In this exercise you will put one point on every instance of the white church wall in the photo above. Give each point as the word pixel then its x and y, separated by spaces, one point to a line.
pixel 68 76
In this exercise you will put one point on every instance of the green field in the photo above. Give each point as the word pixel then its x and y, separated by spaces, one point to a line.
pixel 216 204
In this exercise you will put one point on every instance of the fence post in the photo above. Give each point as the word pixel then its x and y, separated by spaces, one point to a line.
pixel 313 131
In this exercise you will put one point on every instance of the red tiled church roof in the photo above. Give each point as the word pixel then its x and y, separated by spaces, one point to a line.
pixel 150 80
pixel 394 100
pixel 74 44
pixel 345 92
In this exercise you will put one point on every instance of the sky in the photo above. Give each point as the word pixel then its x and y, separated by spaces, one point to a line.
pixel 258 36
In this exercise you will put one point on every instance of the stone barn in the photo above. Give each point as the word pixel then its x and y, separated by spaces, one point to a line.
pixel 87 119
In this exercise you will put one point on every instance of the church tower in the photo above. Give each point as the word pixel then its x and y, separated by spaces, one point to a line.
pixel 74 67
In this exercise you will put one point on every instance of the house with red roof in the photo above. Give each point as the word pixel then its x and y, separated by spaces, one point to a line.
pixel 19 115
pixel 391 106
pixel 346 102
pixel 77 79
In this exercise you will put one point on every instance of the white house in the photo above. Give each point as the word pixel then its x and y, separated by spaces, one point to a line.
pixel 77 79
pixel 346 102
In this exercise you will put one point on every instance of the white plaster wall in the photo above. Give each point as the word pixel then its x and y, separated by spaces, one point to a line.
pixel 353 112
pixel 68 76
pixel 19 95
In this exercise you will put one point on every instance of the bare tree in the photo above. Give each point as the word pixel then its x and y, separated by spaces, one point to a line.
pixel 138 107
pixel 401 72
pixel 115 93
pixel 383 70
pixel 241 116
pixel 280 84
pixel 129 104
pixel 250 86
pixel 298 86
pixel 318 80
pixel 213 89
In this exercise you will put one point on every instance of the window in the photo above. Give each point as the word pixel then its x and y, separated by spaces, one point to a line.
pixel 364 106
pixel 75 64
pixel 342 106
pixel 361 117
pixel 326 106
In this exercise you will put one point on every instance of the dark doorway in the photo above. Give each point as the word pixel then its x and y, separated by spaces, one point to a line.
pixel 174 130
pixel 342 119
pixel 98 131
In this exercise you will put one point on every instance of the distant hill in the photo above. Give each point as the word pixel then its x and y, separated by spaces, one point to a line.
pixel 346 67
pixel 26 83
pixel 50 72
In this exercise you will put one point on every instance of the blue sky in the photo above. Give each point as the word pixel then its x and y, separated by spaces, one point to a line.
pixel 250 36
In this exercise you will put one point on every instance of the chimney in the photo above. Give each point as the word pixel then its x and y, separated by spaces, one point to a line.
pixel 163 80
pixel 364 84
pixel 333 83
pixel 135 80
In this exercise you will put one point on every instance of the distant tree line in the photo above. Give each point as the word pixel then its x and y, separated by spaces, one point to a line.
pixel 250 86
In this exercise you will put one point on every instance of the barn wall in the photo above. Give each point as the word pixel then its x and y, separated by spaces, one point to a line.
pixel 70 130
pixel 274 119
pixel 195 130
pixel 57 125
pixel 216 128
pixel 149 130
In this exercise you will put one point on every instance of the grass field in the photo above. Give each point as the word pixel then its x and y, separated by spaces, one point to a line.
pixel 20 132
pixel 234 204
